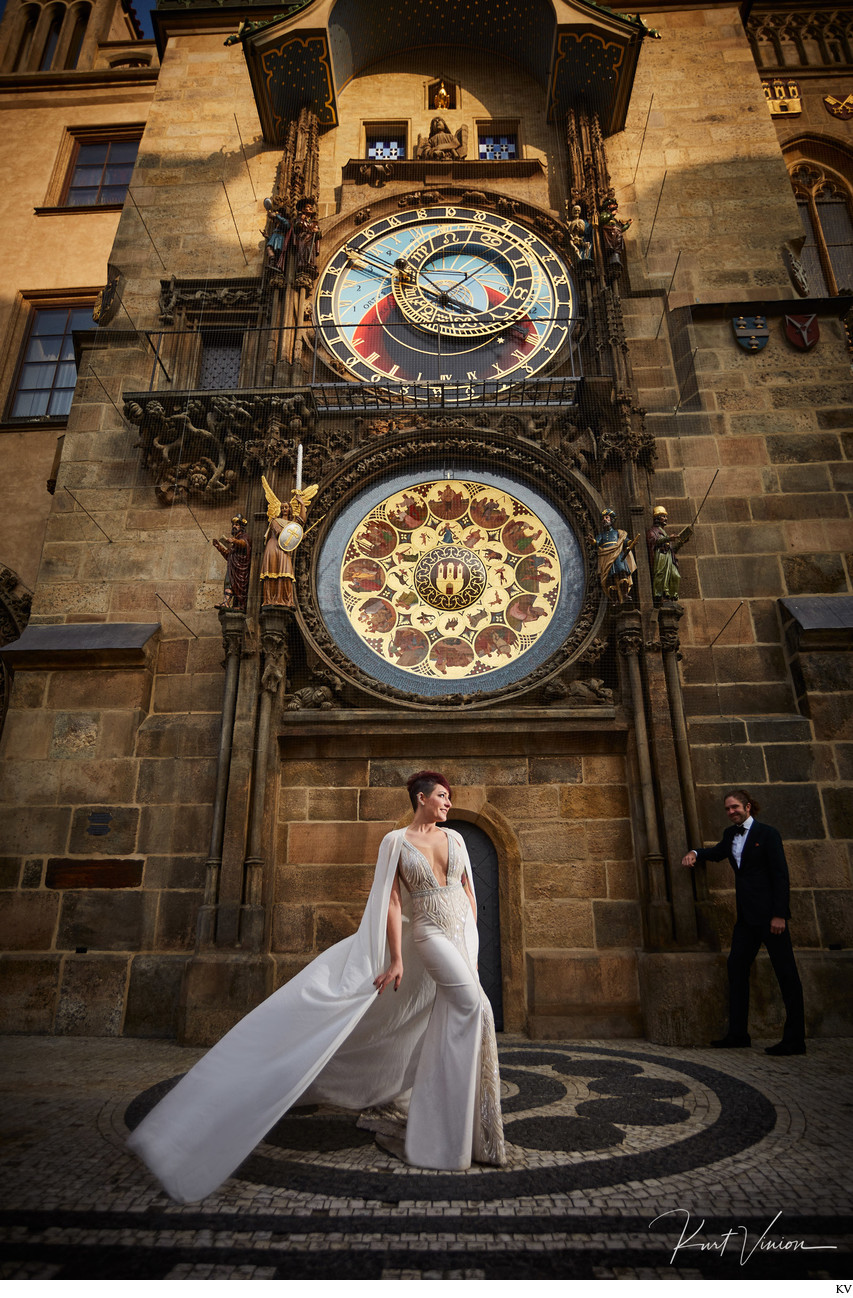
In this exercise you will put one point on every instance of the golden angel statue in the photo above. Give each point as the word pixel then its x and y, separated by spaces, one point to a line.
pixel 283 536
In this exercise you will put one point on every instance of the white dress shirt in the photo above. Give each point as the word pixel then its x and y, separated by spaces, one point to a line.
pixel 739 840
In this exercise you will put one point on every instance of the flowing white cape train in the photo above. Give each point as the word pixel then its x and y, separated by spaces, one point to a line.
pixel 323 1036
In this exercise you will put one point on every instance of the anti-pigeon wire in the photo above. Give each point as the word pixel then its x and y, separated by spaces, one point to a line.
pixel 85 511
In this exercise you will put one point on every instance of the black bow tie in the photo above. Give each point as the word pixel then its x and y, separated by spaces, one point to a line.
pixel 741 829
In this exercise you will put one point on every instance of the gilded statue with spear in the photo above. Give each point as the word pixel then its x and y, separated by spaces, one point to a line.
pixel 284 534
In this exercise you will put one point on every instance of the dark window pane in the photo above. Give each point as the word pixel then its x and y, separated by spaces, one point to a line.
pixel 48 373
pixel 29 405
pixel 50 321
pixel 102 173
pixel 88 154
pixel 124 151
pixel 60 402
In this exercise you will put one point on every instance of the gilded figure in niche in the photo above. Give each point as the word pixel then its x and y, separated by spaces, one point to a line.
pixel 285 530
pixel 442 98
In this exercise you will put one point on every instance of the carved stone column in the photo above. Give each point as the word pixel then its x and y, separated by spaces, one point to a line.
pixel 629 639
pixel 669 616
pixel 274 622
pixel 233 623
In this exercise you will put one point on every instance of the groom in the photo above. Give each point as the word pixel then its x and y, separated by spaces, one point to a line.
pixel 756 855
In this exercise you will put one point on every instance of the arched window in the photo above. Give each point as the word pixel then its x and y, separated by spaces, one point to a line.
pixel 81 21
pixel 52 39
pixel 26 42
pixel 826 208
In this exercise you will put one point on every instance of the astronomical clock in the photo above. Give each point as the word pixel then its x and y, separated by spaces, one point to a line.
pixel 452 563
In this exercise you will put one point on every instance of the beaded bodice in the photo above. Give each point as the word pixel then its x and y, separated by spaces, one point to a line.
pixel 446 907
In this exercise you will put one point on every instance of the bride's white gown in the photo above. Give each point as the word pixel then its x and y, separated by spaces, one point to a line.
pixel 327 1036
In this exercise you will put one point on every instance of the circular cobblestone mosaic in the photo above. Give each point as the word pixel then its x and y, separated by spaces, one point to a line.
pixel 575 1117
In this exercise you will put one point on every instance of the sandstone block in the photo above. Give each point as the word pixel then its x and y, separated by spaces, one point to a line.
pixel 559 924
pixel 609 839
pixel 175 872
pixel 91 998
pixel 383 804
pixel 335 843
pixel 617 923
pixel 565 882
pixel 27 735
pixel 22 832
pixel 292 804
pixel 187 780
pixel 552 844
pixel 467 771
pixel 308 885
pixel 28 991
pixel 333 923
pixel 831 715
pixel 803 449
pixel 526 802
pixel 585 802
pixel 334 772
pixel 177 914
pixel 109 780
pixel 27 920
pixel 622 882
pixel 755 575
pixel 100 688
pixel 293 929
pixel 838 806
pixel 721 764
pixel 556 770
pixel 333 804
pixel 103 921
pixel 153 996
pixel 814 574
pixel 797 763
pixel 608 768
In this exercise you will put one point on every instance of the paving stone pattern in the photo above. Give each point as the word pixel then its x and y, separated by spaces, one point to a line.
pixel 616 1152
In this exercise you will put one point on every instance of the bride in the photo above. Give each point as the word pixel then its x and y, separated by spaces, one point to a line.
pixel 330 1034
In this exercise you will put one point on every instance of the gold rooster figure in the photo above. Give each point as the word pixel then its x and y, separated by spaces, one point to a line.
pixel 283 536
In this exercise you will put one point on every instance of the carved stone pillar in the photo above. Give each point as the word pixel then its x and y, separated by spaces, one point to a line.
pixel 669 616
pixel 629 639
pixel 233 623
pixel 274 621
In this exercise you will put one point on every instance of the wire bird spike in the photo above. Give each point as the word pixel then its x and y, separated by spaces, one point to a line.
pixel 177 615
pixel 85 511
pixel 234 219
pixel 725 624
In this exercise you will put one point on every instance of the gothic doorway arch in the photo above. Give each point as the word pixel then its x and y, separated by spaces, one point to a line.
pixel 484 862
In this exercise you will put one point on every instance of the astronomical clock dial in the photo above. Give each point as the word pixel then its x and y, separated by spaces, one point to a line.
pixel 446 584
pixel 446 295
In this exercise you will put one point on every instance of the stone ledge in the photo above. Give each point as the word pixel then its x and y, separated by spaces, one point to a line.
pixel 68 646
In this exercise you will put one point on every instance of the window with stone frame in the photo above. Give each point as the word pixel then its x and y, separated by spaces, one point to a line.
pixel 100 171
pixel 93 168
pixel 385 141
pixel 497 141
pixel 46 375
pixel 826 208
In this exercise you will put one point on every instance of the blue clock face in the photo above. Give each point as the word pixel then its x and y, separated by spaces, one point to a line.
pixel 445 295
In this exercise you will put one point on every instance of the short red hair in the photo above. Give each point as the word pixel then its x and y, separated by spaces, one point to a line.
pixel 424 782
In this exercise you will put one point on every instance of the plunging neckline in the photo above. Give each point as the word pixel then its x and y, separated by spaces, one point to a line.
pixel 423 856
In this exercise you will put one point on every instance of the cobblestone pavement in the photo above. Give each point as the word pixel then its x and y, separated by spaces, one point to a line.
pixel 618 1150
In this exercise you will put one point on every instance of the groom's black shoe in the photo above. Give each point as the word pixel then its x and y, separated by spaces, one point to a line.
pixel 729 1042
pixel 786 1048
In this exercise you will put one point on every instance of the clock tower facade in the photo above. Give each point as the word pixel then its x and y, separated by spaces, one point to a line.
pixel 410 326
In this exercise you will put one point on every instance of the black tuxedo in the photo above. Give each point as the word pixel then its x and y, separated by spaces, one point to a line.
pixel 762 893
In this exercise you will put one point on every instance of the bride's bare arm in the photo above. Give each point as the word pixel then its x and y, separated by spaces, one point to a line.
pixel 394 972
